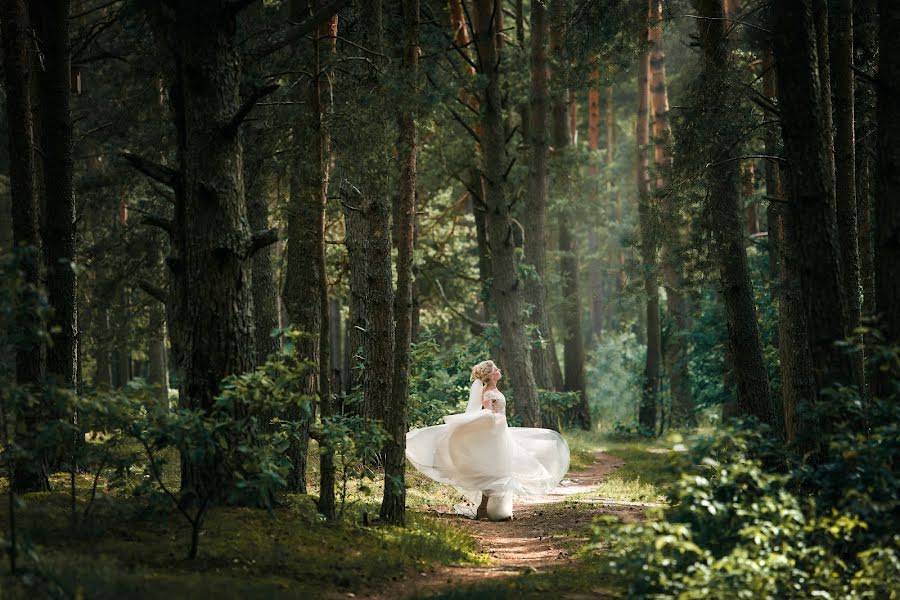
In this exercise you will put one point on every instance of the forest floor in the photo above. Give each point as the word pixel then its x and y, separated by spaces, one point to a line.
pixel 542 545
pixel 132 547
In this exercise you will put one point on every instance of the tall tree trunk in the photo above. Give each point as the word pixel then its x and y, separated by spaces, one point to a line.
pixel 507 285
pixel 864 43
pixel 598 316
pixel 256 193
pixel 366 191
pixel 158 375
pixel 102 349
pixel 355 239
pixel 841 52
pixel 812 241
pixel 675 351
pixel 484 250
pixel 393 505
pixel 754 395
pixel 336 346
pixel 618 256
pixel 472 177
pixel 265 294
pixel 29 352
pixel 562 140
pixel 887 205
pixel 534 219
pixel 648 248
pixel 305 277
pixel 51 23
pixel 329 351
pixel 820 20
pixel 797 384
pixel 213 242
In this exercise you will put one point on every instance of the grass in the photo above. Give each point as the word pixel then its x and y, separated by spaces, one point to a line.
pixel 131 547
pixel 647 470
pixel 134 547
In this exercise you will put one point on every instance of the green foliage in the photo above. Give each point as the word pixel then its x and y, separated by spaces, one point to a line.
pixel 739 528
pixel 614 377
pixel 439 380
pixel 708 339
pixel 356 443
pixel 554 405
pixel 631 430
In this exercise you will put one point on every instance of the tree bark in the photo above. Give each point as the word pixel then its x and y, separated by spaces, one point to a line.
pixel 820 20
pixel 676 306
pixel 812 242
pixel 618 256
pixel 598 316
pixel 864 42
pixel 393 505
pixel 366 191
pixel 797 384
pixel 265 294
pixel 534 216
pixel 212 239
pixel 507 285
pixel 841 52
pixel 648 246
pixel 754 395
pixel 51 23
pixel 562 140
pixel 355 239
pixel 29 352
pixel 887 205
pixel 305 273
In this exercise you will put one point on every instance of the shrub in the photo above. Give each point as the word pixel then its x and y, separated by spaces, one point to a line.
pixel 738 527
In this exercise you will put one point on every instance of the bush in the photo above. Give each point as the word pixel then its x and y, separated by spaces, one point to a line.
pixel 737 527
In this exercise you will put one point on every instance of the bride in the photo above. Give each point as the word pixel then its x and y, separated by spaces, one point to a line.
pixel 478 453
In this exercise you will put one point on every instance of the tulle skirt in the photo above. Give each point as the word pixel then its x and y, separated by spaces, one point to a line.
pixel 479 453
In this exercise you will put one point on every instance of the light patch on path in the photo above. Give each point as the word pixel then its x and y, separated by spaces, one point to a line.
pixel 532 541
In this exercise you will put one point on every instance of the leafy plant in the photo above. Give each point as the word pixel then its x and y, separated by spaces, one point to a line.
pixel 741 527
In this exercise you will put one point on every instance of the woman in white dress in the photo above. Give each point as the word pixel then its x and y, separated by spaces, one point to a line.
pixel 478 453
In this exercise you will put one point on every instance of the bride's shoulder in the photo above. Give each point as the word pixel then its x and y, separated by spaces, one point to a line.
pixel 493 394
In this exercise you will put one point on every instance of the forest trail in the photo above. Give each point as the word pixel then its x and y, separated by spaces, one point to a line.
pixel 543 534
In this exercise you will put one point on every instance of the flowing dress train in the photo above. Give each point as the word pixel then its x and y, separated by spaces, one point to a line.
pixel 477 452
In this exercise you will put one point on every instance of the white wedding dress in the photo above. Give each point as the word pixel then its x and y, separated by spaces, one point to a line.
pixel 477 452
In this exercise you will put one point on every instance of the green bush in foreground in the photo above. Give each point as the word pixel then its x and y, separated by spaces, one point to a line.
pixel 741 524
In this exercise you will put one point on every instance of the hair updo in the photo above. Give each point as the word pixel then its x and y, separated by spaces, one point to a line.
pixel 483 371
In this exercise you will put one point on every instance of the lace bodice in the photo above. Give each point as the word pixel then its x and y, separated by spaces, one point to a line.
pixel 495 401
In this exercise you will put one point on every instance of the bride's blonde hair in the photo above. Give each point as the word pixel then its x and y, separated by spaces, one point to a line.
pixel 483 371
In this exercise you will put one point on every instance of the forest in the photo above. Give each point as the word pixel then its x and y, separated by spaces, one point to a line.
pixel 246 246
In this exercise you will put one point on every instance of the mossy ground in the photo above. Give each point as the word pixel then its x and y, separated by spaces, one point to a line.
pixel 125 549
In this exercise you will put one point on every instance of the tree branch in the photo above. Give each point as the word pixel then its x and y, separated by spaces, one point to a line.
pixel 153 291
pixel 255 96
pixel 167 225
pixel 479 325
pixel 462 122
pixel 775 159
pixel 288 36
pixel 155 171
pixel 262 239
pixel 866 77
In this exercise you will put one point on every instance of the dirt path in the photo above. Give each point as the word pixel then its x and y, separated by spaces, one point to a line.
pixel 532 541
